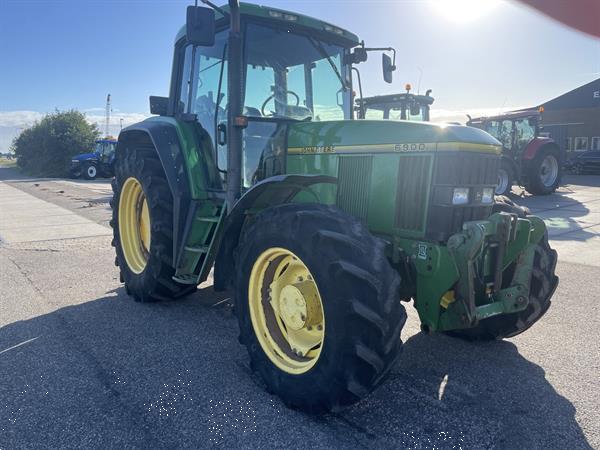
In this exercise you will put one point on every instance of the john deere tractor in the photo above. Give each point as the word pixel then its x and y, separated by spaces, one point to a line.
pixel 322 225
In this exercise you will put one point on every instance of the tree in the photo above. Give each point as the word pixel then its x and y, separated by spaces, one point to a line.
pixel 46 148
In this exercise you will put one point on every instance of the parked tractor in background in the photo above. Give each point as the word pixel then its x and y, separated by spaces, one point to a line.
pixel 404 106
pixel 529 159
pixel 100 162
pixel 322 225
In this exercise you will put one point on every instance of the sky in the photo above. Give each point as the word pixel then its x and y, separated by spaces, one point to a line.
pixel 478 56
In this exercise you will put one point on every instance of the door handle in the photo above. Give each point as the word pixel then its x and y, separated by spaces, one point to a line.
pixel 222 133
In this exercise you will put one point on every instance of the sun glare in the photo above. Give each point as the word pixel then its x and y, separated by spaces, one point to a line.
pixel 463 11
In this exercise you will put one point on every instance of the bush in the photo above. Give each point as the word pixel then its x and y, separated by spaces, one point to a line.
pixel 47 147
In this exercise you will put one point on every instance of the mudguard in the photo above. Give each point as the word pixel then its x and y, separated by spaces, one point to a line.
pixel 270 192
pixel 163 136
pixel 186 159
pixel 535 145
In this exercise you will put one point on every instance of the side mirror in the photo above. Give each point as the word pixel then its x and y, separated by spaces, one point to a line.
pixel 200 26
pixel 388 68
pixel 159 105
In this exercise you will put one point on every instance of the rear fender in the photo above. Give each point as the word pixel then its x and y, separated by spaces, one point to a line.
pixel 186 157
pixel 270 192
pixel 535 146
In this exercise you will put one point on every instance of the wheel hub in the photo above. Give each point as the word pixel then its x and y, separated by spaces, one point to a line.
pixel 292 307
pixel 134 225
pixel 549 171
pixel 286 310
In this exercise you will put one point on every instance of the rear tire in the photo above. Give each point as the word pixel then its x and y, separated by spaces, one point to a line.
pixel 359 292
pixel 544 172
pixel 154 282
pixel 543 285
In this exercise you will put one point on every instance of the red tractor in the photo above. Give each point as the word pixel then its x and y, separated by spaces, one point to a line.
pixel 529 159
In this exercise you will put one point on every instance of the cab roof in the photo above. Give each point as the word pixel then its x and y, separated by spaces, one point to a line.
pixel 508 116
pixel 382 100
pixel 289 18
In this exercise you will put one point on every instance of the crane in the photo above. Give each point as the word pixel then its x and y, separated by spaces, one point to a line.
pixel 107 123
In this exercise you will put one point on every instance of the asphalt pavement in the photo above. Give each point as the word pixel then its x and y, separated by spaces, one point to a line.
pixel 83 365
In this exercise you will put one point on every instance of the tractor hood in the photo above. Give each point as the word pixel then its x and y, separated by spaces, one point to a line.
pixel 369 136
pixel 84 157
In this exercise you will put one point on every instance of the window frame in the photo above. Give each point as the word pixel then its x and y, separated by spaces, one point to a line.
pixel 595 139
pixel 569 143
pixel 585 148
pixel 346 68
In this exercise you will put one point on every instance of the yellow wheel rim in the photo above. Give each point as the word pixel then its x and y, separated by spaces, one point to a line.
pixel 286 310
pixel 134 225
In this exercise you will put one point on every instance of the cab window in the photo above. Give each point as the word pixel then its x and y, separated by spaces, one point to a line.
pixel 524 132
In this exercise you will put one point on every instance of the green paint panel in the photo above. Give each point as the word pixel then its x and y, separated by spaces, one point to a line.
pixel 373 132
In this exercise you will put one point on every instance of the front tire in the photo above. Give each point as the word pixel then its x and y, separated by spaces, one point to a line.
pixel 505 179
pixel 142 225
pixel 543 285
pixel 544 172
pixel 90 171
pixel 333 259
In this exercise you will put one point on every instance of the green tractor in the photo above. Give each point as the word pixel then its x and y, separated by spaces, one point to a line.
pixel 403 106
pixel 322 225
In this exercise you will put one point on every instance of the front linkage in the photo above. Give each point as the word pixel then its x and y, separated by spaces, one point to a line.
pixel 483 271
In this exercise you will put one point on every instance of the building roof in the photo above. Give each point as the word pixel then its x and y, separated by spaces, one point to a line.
pixel 586 96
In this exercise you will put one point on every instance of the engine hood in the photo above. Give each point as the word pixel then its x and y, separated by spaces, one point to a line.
pixel 369 136
pixel 84 157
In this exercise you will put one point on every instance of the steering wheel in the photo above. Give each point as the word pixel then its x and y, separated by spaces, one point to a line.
pixel 272 96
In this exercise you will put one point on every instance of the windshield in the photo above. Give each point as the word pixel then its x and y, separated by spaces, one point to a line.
pixel 407 112
pixel 306 83
pixel 104 147
pixel 397 111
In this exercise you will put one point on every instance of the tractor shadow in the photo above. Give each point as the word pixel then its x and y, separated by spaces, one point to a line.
pixel 172 374
pixel 448 393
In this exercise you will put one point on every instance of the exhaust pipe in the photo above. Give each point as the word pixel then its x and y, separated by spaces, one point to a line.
pixel 236 122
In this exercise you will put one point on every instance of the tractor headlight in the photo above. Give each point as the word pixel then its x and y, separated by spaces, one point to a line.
pixel 487 196
pixel 460 196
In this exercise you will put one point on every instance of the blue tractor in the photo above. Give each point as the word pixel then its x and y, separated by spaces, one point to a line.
pixel 100 162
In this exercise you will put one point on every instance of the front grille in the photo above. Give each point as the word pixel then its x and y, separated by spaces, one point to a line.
pixel 414 173
pixel 462 169
pixel 354 182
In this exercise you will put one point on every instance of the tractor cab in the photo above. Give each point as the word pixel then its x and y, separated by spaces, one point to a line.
pixel 528 156
pixel 515 131
pixel 404 106
pixel 293 68
pixel 105 149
